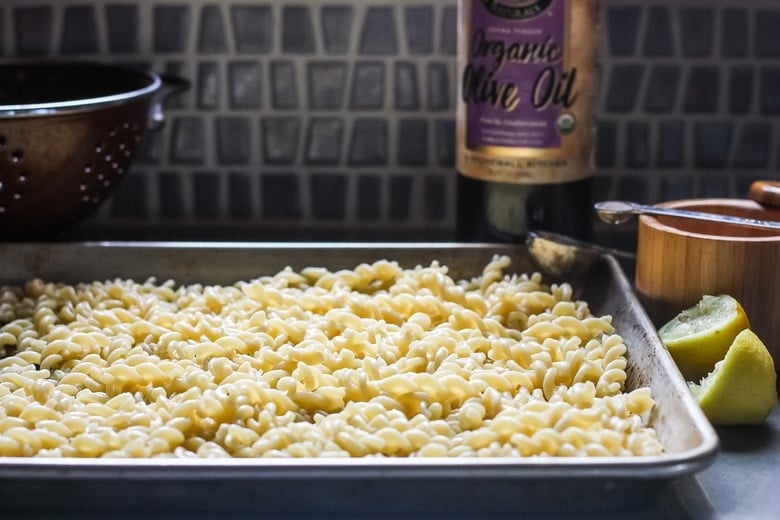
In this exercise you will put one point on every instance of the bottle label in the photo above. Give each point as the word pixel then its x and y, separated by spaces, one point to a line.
pixel 526 89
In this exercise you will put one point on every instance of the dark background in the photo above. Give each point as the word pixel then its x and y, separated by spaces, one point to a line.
pixel 336 120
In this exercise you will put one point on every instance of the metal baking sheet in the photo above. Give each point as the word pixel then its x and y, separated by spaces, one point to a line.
pixel 349 486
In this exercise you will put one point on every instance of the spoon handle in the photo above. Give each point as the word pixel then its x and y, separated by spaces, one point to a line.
pixel 766 193
pixel 711 217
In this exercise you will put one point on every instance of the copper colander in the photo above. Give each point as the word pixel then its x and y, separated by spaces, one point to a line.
pixel 68 132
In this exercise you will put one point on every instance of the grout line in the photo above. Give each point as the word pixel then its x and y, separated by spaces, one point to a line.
pixel 191 58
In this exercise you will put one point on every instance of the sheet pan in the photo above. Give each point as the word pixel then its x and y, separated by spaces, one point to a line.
pixel 354 486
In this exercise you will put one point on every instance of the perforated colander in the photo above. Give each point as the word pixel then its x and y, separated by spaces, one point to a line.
pixel 68 132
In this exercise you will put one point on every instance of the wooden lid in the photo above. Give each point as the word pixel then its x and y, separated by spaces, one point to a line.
pixel 766 192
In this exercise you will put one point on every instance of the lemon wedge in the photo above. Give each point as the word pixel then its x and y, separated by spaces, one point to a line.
pixel 742 388
pixel 700 336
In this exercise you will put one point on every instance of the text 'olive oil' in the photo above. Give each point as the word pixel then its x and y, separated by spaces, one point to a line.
pixel 525 133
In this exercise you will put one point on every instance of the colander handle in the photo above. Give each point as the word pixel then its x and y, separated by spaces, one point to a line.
pixel 170 85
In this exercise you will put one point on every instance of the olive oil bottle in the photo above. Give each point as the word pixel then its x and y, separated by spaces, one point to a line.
pixel 525 132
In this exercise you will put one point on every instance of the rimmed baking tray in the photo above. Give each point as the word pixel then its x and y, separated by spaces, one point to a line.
pixel 357 486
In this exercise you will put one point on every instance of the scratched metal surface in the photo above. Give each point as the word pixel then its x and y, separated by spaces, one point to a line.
pixel 351 486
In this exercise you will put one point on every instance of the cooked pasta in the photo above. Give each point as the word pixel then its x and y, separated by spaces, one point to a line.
pixel 373 361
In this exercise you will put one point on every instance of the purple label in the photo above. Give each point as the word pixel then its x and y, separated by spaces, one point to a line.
pixel 515 86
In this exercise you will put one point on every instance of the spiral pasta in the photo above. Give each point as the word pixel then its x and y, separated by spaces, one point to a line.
pixel 372 361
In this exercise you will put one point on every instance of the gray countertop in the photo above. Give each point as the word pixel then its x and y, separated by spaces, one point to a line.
pixel 743 482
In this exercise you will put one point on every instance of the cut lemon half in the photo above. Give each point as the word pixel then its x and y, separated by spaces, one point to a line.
pixel 700 336
pixel 742 389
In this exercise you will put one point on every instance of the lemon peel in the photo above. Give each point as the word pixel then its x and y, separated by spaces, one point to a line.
pixel 742 388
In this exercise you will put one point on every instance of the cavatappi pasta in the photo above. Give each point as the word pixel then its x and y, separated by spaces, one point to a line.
pixel 374 361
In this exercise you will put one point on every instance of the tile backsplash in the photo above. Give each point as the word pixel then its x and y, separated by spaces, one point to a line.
pixel 322 113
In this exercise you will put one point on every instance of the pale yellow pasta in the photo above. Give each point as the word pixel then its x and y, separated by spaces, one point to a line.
pixel 374 361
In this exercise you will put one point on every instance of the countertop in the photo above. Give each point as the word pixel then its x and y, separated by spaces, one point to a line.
pixel 743 482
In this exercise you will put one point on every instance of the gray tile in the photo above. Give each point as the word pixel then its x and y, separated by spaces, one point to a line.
pixel 252 28
pixel 136 63
pixel 435 196
pixel 177 69
pixel 129 200
pixel 734 33
pixel 368 142
pixel 206 191
pixel 741 89
pixel 406 86
pixel 633 187
pixel 418 21
pixel 438 86
pixel 150 150
pixel 297 30
pixel 324 138
pixel 606 147
pixel 239 186
pixel 602 186
pixel 712 143
pixel 212 36
pixel 328 193
pixel 379 34
pixel 670 147
pixel 122 27
pixel 662 87
pixel 369 197
pixel 400 187
pixel 697 31
pixel 336 25
pixel 188 140
pixel 637 144
pixel 233 136
pixel 715 185
pixel 327 83
pixel 280 196
pixel 743 185
pixel 702 89
pixel 676 187
pixel 33 30
pixel 766 37
pixel 658 40
pixel 769 101
pixel 208 85
pixel 445 142
pixel 412 142
pixel 622 29
pixel 79 30
pixel 623 87
pixel 368 86
pixel 284 85
pixel 448 37
pixel 245 84
pixel 753 146
pixel 3 50
pixel 171 28
pixel 280 137
pixel 169 189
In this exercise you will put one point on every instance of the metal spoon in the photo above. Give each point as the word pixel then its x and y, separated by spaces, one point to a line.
pixel 560 255
pixel 619 212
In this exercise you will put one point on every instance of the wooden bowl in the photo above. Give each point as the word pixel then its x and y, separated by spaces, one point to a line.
pixel 680 260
